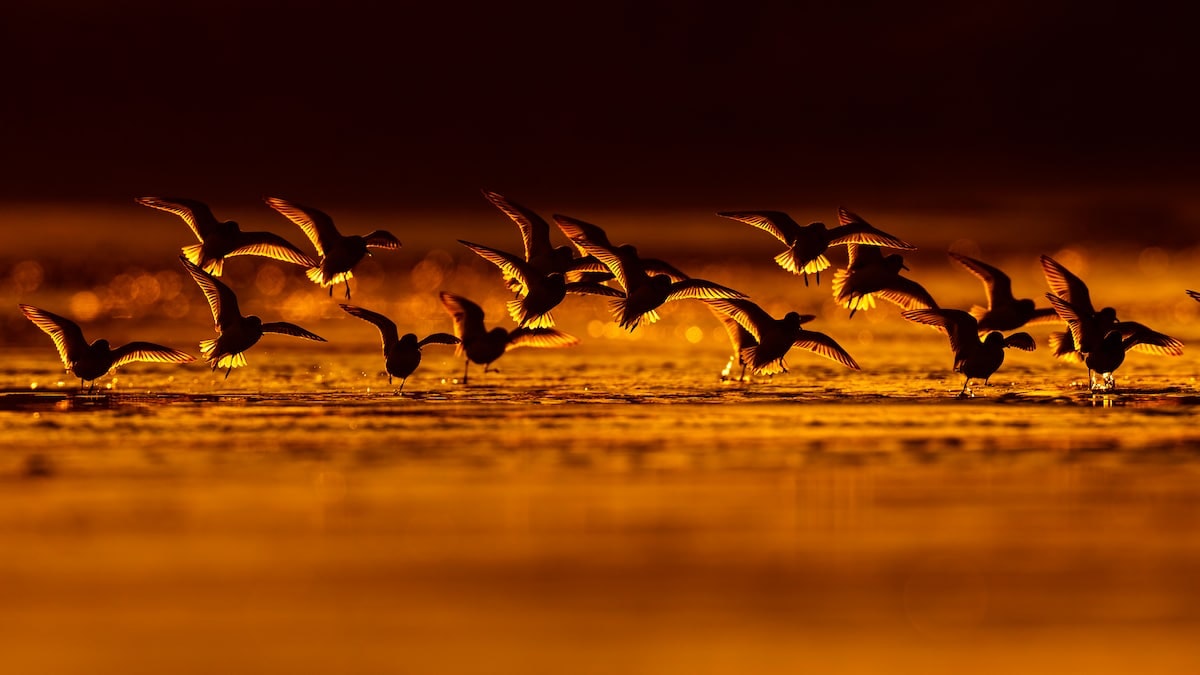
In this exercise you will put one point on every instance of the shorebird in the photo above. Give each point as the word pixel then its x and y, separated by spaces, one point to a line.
pixel 761 341
pixel 90 362
pixel 974 358
pixel 537 292
pixel 643 293
pixel 869 274
pixel 221 240
pixel 806 244
pixel 479 345
pixel 1003 312
pixel 235 333
pixel 339 254
pixel 401 355
pixel 540 254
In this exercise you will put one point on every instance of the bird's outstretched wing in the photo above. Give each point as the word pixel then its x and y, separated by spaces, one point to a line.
pixel 387 328
pixel 1067 286
pixel 285 328
pixel 196 214
pixel 823 345
pixel 1022 341
pixel 699 289
pixel 270 245
pixel 908 294
pixel 996 283
pixel 577 230
pixel 747 314
pixel 65 333
pixel 861 232
pixel 510 265
pixel 955 323
pixel 776 223
pixel 382 239
pixel 654 266
pixel 535 232
pixel 540 337
pixel 316 224
pixel 439 339
pixel 1139 337
pixel 221 299
pixel 592 288
pixel 467 316
pixel 148 351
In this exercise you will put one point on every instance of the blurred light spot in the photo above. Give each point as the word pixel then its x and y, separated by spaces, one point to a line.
pixel 369 274
pixel 170 283
pixel 1072 259
pixel 146 290
pixel 27 276
pixel 270 280
pixel 422 306
pixel 967 247
pixel 85 305
pixel 595 328
pixel 429 274
pixel 300 306
pixel 866 338
pixel 1153 261
pixel 694 334
pixel 612 331
pixel 177 307
pixel 720 334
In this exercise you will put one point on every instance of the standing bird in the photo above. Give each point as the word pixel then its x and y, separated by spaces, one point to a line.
pixel 540 254
pixel 90 362
pixel 974 358
pixel 401 355
pixel 870 274
pixel 339 254
pixel 761 341
pixel 806 244
pixel 480 345
pixel 537 292
pixel 235 333
pixel 643 293
pixel 1094 325
pixel 221 240
pixel 1003 312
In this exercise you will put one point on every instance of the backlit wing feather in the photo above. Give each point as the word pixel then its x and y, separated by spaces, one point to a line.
pixel 316 225
pixel 66 334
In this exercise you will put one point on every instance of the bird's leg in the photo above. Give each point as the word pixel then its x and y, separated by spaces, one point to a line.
pixel 331 290
pixel 347 289
pixel 963 392
pixel 1091 380
pixel 228 371
pixel 389 379
pixel 81 385
pixel 402 385
pixel 853 310
pixel 818 277
pixel 466 367
pixel 742 377
pixel 806 279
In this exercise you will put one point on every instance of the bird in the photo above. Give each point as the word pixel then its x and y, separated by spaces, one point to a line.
pixel 643 293
pixel 869 274
pixel 576 229
pixel 89 362
pixel 478 344
pixel 235 333
pixel 1105 354
pixel 1195 295
pixel 221 240
pixel 537 292
pixel 338 254
pixel 540 254
pixel 401 355
pixel 973 357
pixel 1094 325
pixel 761 341
pixel 806 244
pixel 1003 311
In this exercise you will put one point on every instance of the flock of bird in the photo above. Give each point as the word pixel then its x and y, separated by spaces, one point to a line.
pixel 544 275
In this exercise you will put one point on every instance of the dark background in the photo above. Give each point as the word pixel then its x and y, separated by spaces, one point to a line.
pixel 628 104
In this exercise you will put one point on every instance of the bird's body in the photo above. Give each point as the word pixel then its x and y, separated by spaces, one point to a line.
pixel 479 345
pixel 1003 312
pixel 646 285
pixel 338 254
pixel 761 342
pixel 235 333
pixel 807 244
pixel 90 362
pixel 401 354
pixel 869 274
pixel 973 358
pixel 224 239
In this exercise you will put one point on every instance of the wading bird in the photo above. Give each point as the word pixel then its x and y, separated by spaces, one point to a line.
pixel 339 254
pixel 537 293
pixel 1094 324
pixel 401 355
pixel 643 293
pixel 90 362
pixel 869 274
pixel 1003 312
pixel 760 341
pixel 807 244
pixel 974 358
pixel 221 240
pixel 479 345
pixel 235 333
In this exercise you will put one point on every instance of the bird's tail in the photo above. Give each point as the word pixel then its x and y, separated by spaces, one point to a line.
pixel 849 300
pixel 620 308
pixel 207 347
pixel 195 255
pixel 518 312
pixel 788 261
pixel 1063 346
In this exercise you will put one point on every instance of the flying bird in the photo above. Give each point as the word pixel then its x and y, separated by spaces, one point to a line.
pixel 479 345
pixel 807 244
pixel 220 240
pixel 973 357
pixel 537 293
pixel 235 333
pixel 401 355
pixel 869 274
pixel 1003 311
pixel 540 254
pixel 643 293
pixel 761 341
pixel 89 362
pixel 338 254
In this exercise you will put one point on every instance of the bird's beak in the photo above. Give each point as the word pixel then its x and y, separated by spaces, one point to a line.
pixel 904 267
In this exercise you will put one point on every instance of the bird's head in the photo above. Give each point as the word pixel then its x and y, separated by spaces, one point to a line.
pixel 409 341
pixel 994 340
pixel 101 345
pixel 1025 305
pixel 895 263
pixel 1107 315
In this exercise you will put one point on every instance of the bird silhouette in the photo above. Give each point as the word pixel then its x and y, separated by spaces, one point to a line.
pixel 338 254
pixel 1003 312
pixel 220 240
pixel 1093 325
pixel 869 274
pixel 807 244
pixel 483 346
pixel 90 362
pixel 235 333
pixel 401 355
pixel 537 293
pixel 541 255
pixel 973 357
pixel 643 293
pixel 761 341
